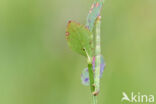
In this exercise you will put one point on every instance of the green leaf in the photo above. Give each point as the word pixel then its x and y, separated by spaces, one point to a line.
pixel 79 38
pixel 94 12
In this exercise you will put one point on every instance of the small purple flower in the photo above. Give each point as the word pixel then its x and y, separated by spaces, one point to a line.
pixel 85 74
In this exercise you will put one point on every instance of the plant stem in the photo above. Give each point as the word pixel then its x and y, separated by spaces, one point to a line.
pixel 95 78
pixel 91 76
pixel 94 99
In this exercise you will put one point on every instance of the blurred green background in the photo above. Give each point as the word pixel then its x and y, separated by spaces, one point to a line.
pixel 37 66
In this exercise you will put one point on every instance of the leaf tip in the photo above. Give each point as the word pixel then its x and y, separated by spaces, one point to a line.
pixel 69 21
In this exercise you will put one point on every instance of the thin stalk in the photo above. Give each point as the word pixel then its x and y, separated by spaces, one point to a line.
pixel 90 71
pixel 94 99
pixel 91 77
pixel 95 78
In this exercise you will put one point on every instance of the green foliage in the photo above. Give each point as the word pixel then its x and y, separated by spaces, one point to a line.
pixel 79 39
pixel 94 12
